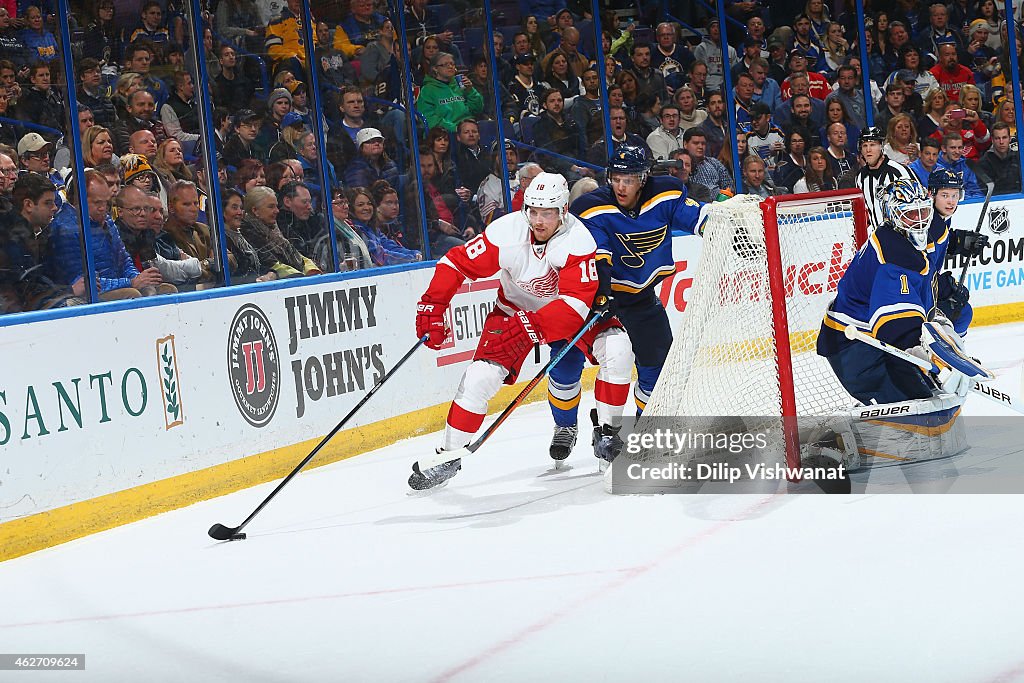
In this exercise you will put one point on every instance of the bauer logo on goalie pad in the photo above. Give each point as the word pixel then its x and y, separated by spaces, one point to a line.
pixel 254 365
pixel 999 220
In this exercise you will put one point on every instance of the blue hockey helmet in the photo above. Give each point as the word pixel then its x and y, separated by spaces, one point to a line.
pixel 945 179
pixel 629 160
pixel 907 205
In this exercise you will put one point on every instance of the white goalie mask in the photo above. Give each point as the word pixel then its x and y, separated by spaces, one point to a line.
pixel 547 191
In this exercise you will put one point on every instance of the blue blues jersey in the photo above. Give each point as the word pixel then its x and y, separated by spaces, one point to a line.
pixel 888 290
pixel 637 244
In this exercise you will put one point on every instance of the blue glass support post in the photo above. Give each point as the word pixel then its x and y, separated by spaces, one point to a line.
pixel 206 125
pixel 1014 92
pixel 318 129
pixel 609 145
pixel 398 10
pixel 869 106
pixel 78 168
pixel 730 101
pixel 492 58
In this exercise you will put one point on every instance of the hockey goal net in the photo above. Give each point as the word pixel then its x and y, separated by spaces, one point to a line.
pixel 746 343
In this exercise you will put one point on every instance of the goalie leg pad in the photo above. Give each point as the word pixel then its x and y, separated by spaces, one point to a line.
pixel 911 430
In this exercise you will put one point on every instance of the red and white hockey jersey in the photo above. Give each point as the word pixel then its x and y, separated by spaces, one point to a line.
pixel 556 279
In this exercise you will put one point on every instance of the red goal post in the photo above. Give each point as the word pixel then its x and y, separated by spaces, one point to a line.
pixel 743 353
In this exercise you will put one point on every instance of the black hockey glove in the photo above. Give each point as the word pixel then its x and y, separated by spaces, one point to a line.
pixel 953 296
pixel 604 300
pixel 966 242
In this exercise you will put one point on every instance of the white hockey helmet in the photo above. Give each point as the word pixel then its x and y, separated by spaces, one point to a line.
pixel 547 191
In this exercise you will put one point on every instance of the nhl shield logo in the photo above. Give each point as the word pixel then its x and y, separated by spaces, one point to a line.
pixel 999 220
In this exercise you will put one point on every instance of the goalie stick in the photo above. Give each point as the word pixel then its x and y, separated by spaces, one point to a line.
pixel 223 533
pixel 977 387
pixel 436 459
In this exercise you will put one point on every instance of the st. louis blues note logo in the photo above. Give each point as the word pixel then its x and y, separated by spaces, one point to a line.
pixel 639 244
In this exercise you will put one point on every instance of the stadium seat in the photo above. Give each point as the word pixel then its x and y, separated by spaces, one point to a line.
pixel 488 132
pixel 473 37
pixel 526 126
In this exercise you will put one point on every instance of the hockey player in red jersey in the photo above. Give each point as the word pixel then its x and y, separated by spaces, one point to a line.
pixel 544 257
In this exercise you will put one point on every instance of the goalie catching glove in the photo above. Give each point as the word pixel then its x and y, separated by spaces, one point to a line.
pixel 507 339
pixel 943 347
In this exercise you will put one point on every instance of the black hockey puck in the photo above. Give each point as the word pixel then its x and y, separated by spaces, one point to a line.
pixel 240 536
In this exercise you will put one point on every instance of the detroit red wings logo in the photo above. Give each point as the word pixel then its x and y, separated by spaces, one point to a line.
pixel 543 287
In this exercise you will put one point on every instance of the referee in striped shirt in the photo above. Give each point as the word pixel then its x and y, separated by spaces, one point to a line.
pixel 877 173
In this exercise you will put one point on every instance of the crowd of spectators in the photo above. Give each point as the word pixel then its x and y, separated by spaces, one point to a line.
pixel 940 87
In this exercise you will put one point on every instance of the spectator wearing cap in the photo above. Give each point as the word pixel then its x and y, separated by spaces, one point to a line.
pixel 446 99
pixel 242 143
pixel 982 58
pixel 817 86
pixel 279 103
pixel 292 130
pixel 34 154
pixel 232 87
pixel 42 103
pixel 938 32
pixel 950 74
pixel 751 51
pixel 778 56
pixel 94 94
pixel 300 102
pixel 285 40
pixel 710 52
pixel 523 88
pixel 765 139
pixel 804 41
pixel 40 43
pixel 913 102
pixel 372 163
pixel 116 275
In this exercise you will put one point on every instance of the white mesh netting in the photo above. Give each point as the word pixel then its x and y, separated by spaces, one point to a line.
pixel 723 360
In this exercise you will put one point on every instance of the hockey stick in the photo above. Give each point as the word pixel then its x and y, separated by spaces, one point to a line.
pixel 977 387
pixel 977 228
pixel 444 456
pixel 223 533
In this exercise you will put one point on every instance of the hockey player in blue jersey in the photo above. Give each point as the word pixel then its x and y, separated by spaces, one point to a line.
pixel 631 218
pixel 888 292
pixel 952 297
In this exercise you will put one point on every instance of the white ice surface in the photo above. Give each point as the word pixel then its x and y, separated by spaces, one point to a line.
pixel 517 573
